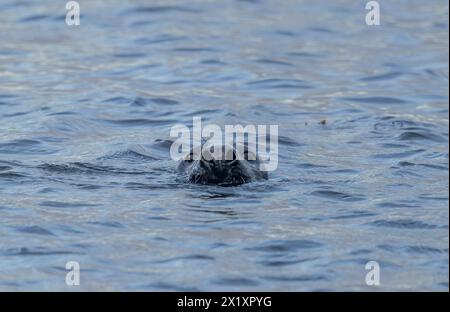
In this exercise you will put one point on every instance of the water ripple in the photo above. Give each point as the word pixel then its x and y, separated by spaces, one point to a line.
pixel 375 100
pixel 161 9
pixel 285 246
pixel 403 224
pixel 35 230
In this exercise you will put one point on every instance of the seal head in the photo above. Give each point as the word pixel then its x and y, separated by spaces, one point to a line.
pixel 230 170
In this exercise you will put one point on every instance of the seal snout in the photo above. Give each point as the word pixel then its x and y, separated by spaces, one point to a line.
pixel 225 168
pixel 218 170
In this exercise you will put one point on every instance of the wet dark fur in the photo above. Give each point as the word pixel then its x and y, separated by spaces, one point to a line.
pixel 222 172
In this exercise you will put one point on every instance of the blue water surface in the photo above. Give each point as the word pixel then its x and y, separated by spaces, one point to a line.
pixel 85 172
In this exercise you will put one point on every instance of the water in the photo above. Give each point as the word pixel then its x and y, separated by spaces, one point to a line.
pixel 85 173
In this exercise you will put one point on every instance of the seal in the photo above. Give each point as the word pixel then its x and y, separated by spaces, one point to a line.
pixel 231 170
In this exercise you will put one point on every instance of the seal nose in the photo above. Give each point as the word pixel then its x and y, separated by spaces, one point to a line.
pixel 211 163
pixel 214 166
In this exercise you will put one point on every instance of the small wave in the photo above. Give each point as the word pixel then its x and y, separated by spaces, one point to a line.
pixel 389 123
pixel 404 154
pixel 250 1
pixel 322 30
pixel 119 100
pixel 415 249
pixel 396 205
pixel 10 163
pixel 310 166
pixel 285 246
pixel 288 141
pixel 35 230
pixel 110 224
pixel 386 76
pixel 139 122
pixel 162 144
pixel 296 278
pixel 4 168
pixel 431 166
pixel 286 33
pixel 24 146
pixel 287 262
pixel 135 153
pixel 273 62
pixel 169 286
pixel 141 23
pixel 354 215
pixel 39 251
pixel 160 39
pixel 64 169
pixel 362 262
pixel 213 62
pixel 204 113
pixel 338 195
pixel 109 169
pixel 129 55
pixel 164 101
pixel 303 54
pixel 360 252
pixel 403 224
pixel 17 114
pixel 154 186
pixel 195 257
pixel 160 9
pixel 89 187
pixel 11 175
pixel 158 218
pixel 375 100
pixel 141 101
pixel 235 281
pixel 279 84
pixel 57 204
pixel 193 50
pixel 425 250
pixel 423 135
pixel 36 17
pixel 433 197
pixel 7 96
